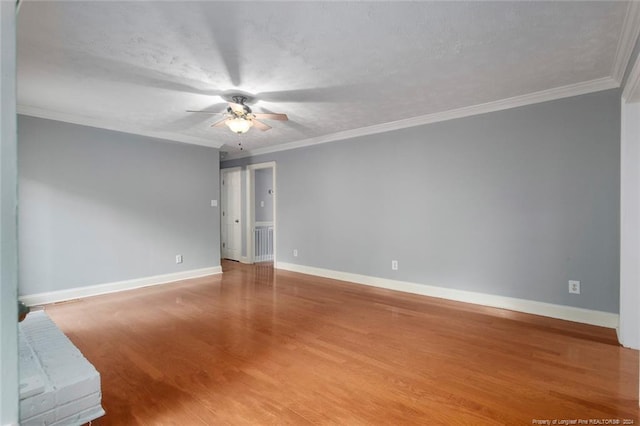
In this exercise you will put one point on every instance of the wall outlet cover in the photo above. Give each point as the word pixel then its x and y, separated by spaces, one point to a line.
pixel 574 287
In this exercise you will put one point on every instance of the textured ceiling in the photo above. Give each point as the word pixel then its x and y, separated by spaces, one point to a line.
pixel 331 66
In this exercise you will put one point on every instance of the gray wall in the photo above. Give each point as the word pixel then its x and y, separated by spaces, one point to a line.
pixel 512 203
pixel 98 206
pixel 264 183
pixel 8 232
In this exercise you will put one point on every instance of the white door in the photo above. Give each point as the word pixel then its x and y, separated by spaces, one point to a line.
pixel 231 210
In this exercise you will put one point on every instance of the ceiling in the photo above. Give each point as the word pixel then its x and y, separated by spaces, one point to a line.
pixel 335 68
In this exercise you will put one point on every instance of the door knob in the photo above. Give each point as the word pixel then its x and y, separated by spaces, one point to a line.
pixel 237 221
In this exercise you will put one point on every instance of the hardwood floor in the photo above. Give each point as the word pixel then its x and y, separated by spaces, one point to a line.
pixel 254 346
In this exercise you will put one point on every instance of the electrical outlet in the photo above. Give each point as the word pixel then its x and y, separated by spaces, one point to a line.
pixel 178 258
pixel 574 287
pixel 295 252
pixel 394 265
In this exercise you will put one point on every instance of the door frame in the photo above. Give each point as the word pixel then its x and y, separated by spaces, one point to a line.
pixel 250 221
pixel 223 206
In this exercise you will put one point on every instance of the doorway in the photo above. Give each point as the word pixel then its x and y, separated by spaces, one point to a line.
pixel 248 213
pixel 261 211
pixel 231 203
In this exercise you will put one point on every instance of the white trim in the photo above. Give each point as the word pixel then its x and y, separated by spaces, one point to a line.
pixel 275 212
pixel 632 85
pixel 95 290
pixel 266 165
pixel 514 102
pixel 117 127
pixel 627 40
pixel 249 214
pixel 587 316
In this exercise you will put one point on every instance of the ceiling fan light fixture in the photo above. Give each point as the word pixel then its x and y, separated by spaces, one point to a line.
pixel 239 125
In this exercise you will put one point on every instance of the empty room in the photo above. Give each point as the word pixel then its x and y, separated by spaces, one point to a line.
pixel 325 212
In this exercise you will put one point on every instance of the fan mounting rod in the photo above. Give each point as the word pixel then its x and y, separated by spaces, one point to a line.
pixel 239 99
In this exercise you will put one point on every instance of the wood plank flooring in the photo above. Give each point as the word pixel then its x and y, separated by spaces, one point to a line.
pixel 254 346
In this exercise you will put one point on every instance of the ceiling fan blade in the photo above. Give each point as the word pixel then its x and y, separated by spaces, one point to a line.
pixel 260 125
pixel 219 123
pixel 207 112
pixel 271 116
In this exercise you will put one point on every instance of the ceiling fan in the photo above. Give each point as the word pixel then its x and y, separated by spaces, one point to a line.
pixel 239 118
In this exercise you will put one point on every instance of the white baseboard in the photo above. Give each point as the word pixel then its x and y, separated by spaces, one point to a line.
pixel 95 290
pixel 569 313
pixel 629 339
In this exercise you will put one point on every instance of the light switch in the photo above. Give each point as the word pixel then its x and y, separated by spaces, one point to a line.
pixel 214 203
pixel 261 203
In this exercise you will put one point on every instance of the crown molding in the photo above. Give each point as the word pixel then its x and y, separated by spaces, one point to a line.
pixel 631 91
pixel 627 40
pixel 513 102
pixel 104 124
